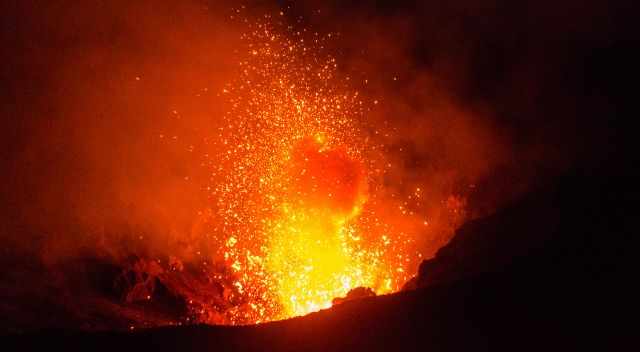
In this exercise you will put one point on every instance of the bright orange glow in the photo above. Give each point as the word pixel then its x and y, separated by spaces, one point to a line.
pixel 309 253
pixel 296 184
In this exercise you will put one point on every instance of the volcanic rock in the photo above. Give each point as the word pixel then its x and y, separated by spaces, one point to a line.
pixel 356 293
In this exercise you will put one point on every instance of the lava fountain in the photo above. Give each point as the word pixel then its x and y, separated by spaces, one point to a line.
pixel 296 183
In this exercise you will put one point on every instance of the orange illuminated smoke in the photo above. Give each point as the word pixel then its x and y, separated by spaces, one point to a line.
pixel 296 183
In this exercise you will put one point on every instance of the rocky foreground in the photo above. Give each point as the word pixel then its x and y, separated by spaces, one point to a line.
pixel 550 271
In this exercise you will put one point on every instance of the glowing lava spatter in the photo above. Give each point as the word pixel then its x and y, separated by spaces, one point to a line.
pixel 294 183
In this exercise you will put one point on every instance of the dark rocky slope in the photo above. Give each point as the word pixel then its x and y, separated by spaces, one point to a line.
pixel 551 271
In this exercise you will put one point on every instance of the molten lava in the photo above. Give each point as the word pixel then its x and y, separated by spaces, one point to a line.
pixel 296 183
pixel 309 251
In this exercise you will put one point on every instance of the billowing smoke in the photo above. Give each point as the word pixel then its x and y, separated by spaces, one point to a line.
pixel 122 95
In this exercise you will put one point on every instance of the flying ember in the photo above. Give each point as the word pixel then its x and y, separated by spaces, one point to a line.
pixel 296 183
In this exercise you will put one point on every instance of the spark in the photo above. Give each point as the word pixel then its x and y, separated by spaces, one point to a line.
pixel 295 181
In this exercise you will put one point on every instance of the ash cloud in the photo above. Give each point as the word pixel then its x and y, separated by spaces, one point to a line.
pixel 108 100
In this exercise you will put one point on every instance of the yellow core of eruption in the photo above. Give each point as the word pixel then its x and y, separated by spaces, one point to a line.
pixel 297 184
pixel 311 259
pixel 309 254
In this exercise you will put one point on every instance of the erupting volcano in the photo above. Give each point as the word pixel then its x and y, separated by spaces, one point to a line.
pixel 317 175
pixel 296 184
